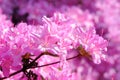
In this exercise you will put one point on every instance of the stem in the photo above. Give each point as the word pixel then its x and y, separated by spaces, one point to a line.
pixel 57 61
pixel 21 70
pixel 12 74
pixel 45 53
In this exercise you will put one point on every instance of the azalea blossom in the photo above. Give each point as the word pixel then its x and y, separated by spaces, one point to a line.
pixel 59 40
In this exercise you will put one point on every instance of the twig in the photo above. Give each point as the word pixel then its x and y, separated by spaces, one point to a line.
pixel 21 70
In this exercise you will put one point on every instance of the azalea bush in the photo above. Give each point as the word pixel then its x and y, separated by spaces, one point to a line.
pixel 59 40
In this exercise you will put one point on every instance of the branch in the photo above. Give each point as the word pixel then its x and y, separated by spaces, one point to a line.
pixel 58 61
pixel 46 53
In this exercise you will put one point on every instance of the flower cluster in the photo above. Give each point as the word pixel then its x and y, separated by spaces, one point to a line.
pixel 65 40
